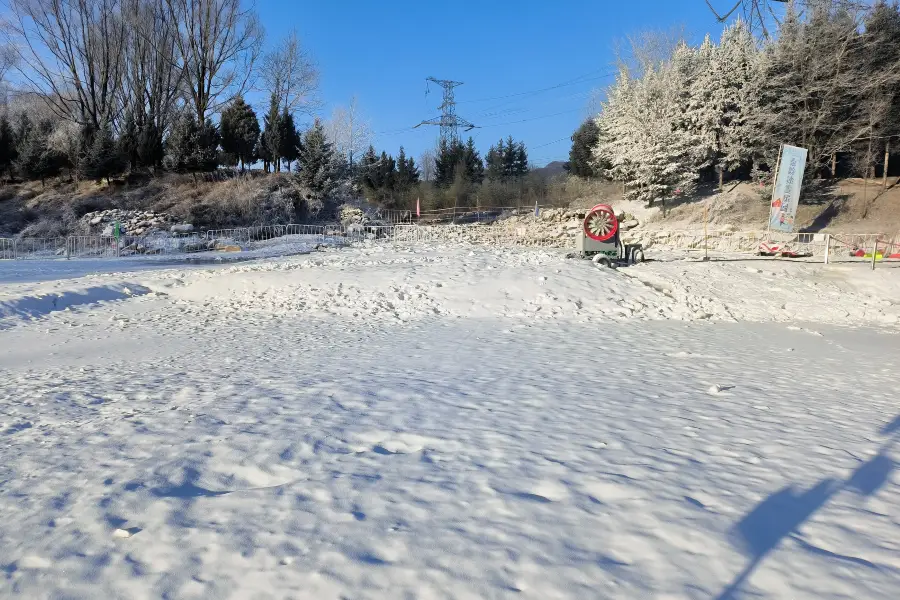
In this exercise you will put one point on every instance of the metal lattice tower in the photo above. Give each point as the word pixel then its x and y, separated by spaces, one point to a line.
pixel 761 15
pixel 449 121
pixel 756 13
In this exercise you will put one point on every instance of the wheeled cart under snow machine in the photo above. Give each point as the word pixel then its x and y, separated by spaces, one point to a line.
pixel 599 239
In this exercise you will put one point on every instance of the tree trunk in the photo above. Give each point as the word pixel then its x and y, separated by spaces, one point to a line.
pixel 887 158
pixel 721 178
pixel 833 165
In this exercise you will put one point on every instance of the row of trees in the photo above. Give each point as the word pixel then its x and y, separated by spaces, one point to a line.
pixel 454 173
pixel 829 81
pixel 131 70
pixel 39 150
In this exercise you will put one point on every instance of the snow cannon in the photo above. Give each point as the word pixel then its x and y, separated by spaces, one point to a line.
pixel 600 239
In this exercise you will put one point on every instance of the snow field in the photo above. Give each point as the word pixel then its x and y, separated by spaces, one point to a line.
pixel 451 422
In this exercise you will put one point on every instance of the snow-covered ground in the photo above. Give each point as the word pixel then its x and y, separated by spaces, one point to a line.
pixel 449 422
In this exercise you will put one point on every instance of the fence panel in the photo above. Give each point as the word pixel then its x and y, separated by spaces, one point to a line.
pixel 38 248
pixel 7 249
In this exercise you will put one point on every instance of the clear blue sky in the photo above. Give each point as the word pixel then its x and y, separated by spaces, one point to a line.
pixel 383 51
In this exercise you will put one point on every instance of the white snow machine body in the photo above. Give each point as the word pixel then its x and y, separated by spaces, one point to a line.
pixel 600 239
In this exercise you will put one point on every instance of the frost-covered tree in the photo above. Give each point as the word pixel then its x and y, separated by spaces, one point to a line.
pixel 735 62
pixel 643 138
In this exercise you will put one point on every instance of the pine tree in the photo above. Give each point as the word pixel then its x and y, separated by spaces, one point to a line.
pixel 8 151
pixel 316 168
pixel 474 167
pixel 129 140
pixel 261 151
pixel 192 147
pixel 880 46
pixel 734 63
pixel 271 136
pixel 104 158
pixel 494 161
pixel 289 139
pixel 509 160
pixel 239 129
pixel 150 149
pixel 520 164
pixel 404 177
pixel 36 159
pixel 581 156
pixel 448 156
pixel 641 139
pixel 365 172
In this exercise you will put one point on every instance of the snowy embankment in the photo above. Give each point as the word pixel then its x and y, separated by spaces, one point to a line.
pixel 452 422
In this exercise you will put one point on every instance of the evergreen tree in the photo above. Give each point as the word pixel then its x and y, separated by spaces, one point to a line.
pixel 734 63
pixel 509 159
pixel 192 147
pixel 520 165
pixel 581 156
pixel 129 140
pixel 407 171
pixel 365 171
pixel 104 158
pixel 262 151
pixel 447 157
pixel 271 136
pixel 317 169
pixel 407 174
pixel 150 149
pixel 474 167
pixel 8 151
pixel 239 129
pixel 880 55
pixel 36 159
pixel 412 172
pixel 289 139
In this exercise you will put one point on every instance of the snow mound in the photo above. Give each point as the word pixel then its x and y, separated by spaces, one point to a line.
pixel 33 306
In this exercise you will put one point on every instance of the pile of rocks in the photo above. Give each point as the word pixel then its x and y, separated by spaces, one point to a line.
pixel 351 215
pixel 131 222
pixel 555 227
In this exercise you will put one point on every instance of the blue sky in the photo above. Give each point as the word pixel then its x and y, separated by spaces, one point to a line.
pixel 383 51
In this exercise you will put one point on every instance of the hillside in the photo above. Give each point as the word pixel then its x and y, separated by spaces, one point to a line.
pixel 32 209
pixel 847 205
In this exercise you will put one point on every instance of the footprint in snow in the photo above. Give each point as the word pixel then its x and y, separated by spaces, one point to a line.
pixel 718 390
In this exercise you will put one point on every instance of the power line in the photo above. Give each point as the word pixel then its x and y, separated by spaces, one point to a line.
pixel 565 112
pixel 575 81
pixel 562 139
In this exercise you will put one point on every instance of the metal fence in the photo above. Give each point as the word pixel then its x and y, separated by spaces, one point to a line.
pixel 812 245
pixel 250 238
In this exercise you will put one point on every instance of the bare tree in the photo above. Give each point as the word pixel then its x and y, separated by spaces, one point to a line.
pixel 349 131
pixel 153 76
pixel 647 50
pixel 216 46
pixel 291 76
pixel 427 166
pixel 71 54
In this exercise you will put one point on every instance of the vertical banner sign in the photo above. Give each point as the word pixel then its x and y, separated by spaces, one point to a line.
pixel 418 212
pixel 787 189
